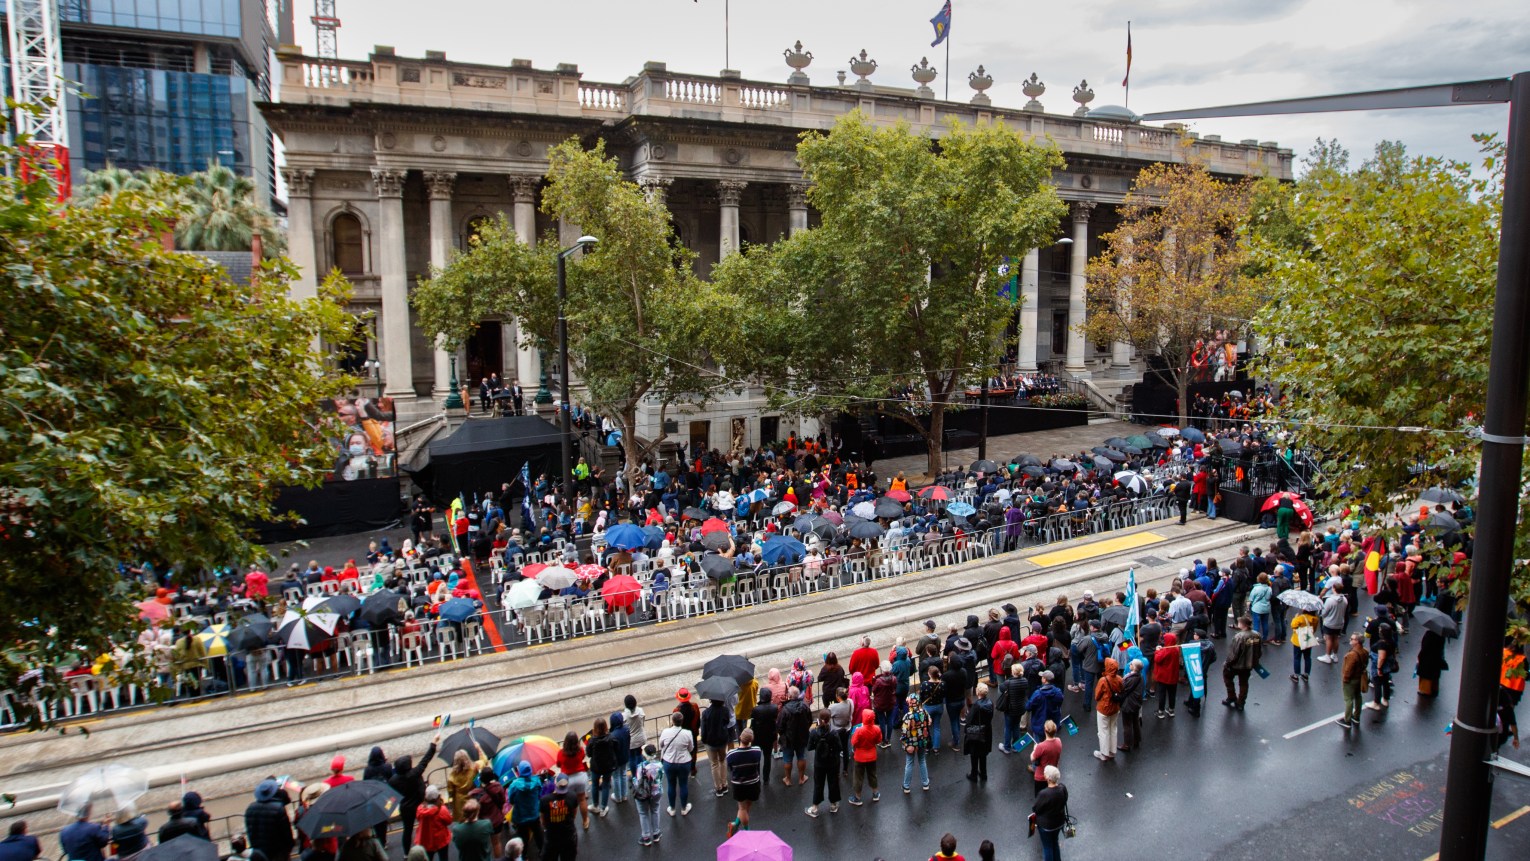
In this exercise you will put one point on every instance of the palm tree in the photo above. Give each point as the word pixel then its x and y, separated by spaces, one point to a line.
pixel 221 213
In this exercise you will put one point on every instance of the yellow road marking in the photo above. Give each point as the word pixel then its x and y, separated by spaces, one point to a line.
pixel 1098 548
pixel 1512 816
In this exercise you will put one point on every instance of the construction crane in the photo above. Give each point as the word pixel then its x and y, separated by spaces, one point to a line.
pixel 325 23
pixel 37 84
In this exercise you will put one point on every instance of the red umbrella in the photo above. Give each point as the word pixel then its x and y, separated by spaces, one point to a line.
pixel 621 592
pixel 1302 510
pixel 590 571
pixel 153 611
pixel 900 495
pixel 935 492
pixel 531 571
pixel 712 524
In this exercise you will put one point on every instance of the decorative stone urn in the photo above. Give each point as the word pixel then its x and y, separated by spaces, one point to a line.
pixel 863 66
pixel 1033 88
pixel 1083 95
pixel 980 81
pixel 798 59
pixel 923 74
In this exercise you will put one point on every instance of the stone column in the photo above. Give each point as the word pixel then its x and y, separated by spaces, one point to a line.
pixel 528 362
pixel 300 241
pixel 1030 297
pixel 440 185
pixel 397 357
pixel 728 193
pixel 796 208
pixel 657 188
pixel 1076 284
pixel 1120 351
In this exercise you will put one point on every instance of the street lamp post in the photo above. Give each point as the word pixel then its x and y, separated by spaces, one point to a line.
pixel 564 424
pixel 374 372
pixel 454 397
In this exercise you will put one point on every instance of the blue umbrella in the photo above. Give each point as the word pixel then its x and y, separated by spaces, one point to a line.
pixel 1192 434
pixel 625 536
pixel 655 537
pixel 458 610
pixel 783 550
pixel 759 494
pixel 960 509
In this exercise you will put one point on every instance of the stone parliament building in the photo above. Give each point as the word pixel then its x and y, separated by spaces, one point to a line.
pixel 392 161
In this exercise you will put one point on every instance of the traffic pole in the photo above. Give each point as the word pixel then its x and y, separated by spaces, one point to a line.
pixel 1469 777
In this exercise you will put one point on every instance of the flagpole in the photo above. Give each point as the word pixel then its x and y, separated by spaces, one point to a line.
pixel 727 34
pixel 1128 81
pixel 948 67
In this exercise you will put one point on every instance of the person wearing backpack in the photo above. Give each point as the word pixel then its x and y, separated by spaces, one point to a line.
pixel 646 792
pixel 1014 692
pixel 825 743
pixel 492 799
pixel 1092 652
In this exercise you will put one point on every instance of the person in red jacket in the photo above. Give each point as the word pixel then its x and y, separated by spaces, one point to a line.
pixel 864 660
pixel 434 821
pixel 1168 668
pixel 863 744
pixel 1004 647
pixel 1037 638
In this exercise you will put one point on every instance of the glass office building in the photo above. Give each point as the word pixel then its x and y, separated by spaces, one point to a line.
pixel 170 84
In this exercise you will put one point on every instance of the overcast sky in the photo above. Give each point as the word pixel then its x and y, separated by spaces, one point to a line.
pixel 1186 53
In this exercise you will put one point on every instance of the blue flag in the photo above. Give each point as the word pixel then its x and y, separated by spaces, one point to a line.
pixel 1134 607
pixel 1009 287
pixel 1194 671
pixel 942 22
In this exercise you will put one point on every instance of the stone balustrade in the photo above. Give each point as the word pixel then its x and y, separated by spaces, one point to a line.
pixel 433 81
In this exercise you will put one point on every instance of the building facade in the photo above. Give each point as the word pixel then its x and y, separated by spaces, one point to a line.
pixel 390 162
pixel 171 85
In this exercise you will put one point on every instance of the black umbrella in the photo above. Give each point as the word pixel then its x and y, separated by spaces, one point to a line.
pixel 349 808
pixel 888 508
pixel 383 607
pixel 1229 445
pixel 717 567
pixel 1033 471
pixel 694 513
pixel 1130 449
pixel 1441 494
pixel 1118 442
pixel 1026 460
pixel 341 605
pixel 984 466
pixel 1434 620
pixel 187 847
pixel 1062 464
pixel 1112 453
pixel 736 667
pixel 252 632
pixel 1159 442
pixel 718 688
pixel 718 540
pixel 865 530
pixel 1114 614
pixel 464 738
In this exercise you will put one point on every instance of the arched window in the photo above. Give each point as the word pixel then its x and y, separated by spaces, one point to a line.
pixel 346 235
pixel 475 227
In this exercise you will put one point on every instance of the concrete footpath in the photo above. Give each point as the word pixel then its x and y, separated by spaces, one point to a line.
pixel 222 747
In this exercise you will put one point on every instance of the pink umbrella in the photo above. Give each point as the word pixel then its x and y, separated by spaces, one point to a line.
pixel 754 846
pixel 900 495
pixel 153 611
pixel 834 517
pixel 590 571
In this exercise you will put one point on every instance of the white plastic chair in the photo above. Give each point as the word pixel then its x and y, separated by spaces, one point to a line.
pixel 446 640
pixel 413 648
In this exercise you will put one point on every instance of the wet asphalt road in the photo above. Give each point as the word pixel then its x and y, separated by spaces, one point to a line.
pixel 1227 786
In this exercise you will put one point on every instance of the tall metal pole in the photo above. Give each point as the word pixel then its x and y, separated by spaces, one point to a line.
pixel 983 422
pixel 1468 780
pixel 566 434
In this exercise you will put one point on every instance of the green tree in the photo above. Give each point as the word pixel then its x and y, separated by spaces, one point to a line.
pixel 1381 284
pixel 892 302
pixel 1173 272
pixel 217 207
pixel 639 323
pixel 149 410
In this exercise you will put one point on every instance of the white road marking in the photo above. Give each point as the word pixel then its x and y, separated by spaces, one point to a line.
pixel 1312 726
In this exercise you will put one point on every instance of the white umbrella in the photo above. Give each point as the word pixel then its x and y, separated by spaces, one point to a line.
pixel 556 577
pixel 1131 481
pixel 1168 433
pixel 1302 600
pixel 783 507
pixel 119 783
pixel 523 594
pixel 865 509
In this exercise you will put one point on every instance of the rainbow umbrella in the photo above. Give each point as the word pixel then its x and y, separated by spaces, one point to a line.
pixel 539 750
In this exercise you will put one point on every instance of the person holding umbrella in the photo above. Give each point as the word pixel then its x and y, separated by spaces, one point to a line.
pixel 1431 650
pixel 1304 636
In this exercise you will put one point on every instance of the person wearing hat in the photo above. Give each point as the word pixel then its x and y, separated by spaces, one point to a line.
pixel 690 719
pixel 337 773
pixel 525 801
pixel 558 823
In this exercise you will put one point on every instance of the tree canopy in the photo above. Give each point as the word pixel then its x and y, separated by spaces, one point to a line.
pixel 640 324
pixel 150 410
pixel 892 303
pixel 217 208
pixel 1172 273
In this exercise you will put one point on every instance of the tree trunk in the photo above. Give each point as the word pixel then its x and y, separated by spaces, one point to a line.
pixel 935 439
pixel 1182 385
pixel 632 451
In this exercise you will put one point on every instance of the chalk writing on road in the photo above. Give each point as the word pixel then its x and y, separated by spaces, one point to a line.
pixel 1403 800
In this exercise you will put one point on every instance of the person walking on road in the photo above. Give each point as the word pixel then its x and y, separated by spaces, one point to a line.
pixel 1431 663
pixel 825 742
pixel 1304 636
pixel 1051 811
pixel 1107 710
pixel 1243 655
pixel 915 735
pixel 1353 677
pixel 677 749
pixel 745 765
pixel 977 737
pixel 864 740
